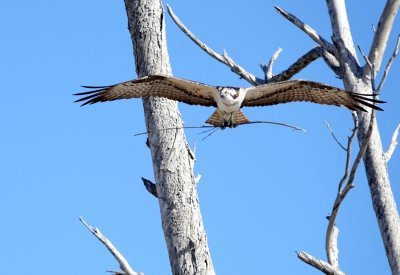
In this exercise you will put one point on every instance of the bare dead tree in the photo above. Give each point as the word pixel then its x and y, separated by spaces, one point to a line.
pixel 172 158
pixel 173 161
pixel 341 57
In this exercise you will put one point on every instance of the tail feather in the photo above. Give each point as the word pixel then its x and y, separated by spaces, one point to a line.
pixel 220 119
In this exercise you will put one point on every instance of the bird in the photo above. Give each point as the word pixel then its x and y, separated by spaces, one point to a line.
pixel 228 100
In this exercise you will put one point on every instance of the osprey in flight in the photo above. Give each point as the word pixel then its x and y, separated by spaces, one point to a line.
pixel 228 100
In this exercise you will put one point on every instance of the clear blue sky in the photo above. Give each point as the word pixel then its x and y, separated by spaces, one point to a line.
pixel 260 202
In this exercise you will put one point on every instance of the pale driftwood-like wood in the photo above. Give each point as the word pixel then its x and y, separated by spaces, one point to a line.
pixel 357 80
pixel 123 263
pixel 308 30
pixel 224 58
pixel 296 67
pixel 361 80
pixel 319 264
pixel 388 65
pixel 268 69
pixel 176 189
pixel 381 37
pixel 393 144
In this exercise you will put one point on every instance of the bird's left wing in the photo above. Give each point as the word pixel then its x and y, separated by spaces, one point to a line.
pixel 190 92
pixel 303 90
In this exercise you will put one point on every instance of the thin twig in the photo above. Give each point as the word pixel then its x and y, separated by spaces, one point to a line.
pixel 370 65
pixel 275 123
pixel 393 144
pixel 333 135
pixel 174 128
pixel 342 192
pixel 225 59
pixel 332 231
pixel 123 263
pixel 308 30
pixel 388 65
pixel 319 264
pixel 213 127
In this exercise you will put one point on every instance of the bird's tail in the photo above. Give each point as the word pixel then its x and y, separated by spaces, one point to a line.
pixel 218 120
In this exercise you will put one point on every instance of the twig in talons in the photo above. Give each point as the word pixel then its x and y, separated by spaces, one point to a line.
pixel 174 128
pixel 308 30
pixel 276 123
pixel 334 137
pixel 319 264
pixel 123 263
pixel 393 144
pixel 388 65
pixel 151 187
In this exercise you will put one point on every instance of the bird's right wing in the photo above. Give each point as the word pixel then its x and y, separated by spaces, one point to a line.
pixel 190 92
pixel 303 90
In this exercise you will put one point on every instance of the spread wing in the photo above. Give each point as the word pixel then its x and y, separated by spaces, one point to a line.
pixel 186 91
pixel 302 90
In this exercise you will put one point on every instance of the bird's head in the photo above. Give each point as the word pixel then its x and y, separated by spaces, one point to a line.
pixel 228 93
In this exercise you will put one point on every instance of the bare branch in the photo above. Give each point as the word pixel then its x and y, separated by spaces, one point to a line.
pixel 370 65
pixel 334 137
pixel 319 264
pixel 363 147
pixel 151 187
pixel 268 69
pixel 225 59
pixel 308 30
pixel 297 66
pixel 393 144
pixel 236 68
pixel 331 61
pixel 388 65
pixel 381 37
pixel 300 64
pixel 330 241
pixel 123 263
pixel 331 247
pixel 342 39
pixel 334 250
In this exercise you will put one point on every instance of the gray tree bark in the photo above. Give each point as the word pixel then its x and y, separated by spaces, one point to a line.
pixel 358 79
pixel 172 159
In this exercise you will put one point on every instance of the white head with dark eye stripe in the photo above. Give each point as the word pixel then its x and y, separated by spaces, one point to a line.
pixel 229 99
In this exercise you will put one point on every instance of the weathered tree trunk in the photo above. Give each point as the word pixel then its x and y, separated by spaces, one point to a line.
pixel 172 162
pixel 358 80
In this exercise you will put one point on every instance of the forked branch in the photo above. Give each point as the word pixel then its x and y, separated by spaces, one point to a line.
pixel 343 189
pixel 329 47
pixel 123 263
pixel 224 58
pixel 296 67
pixel 381 36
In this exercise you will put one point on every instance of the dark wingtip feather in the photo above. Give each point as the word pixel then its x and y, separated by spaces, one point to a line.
pixel 91 97
pixel 367 101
